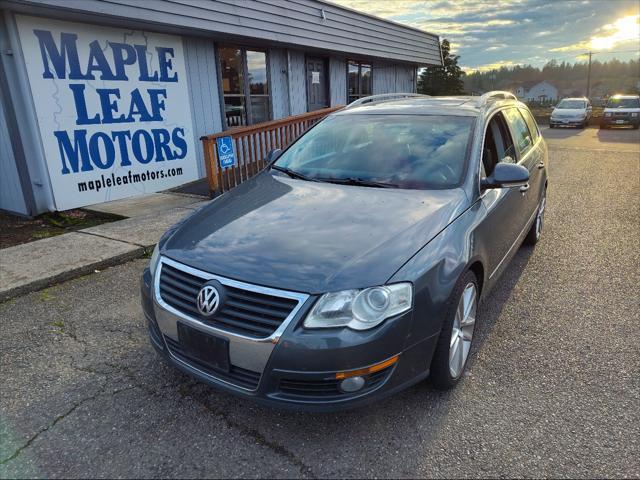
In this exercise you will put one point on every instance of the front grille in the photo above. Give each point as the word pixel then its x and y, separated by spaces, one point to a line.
pixel 236 375
pixel 245 312
pixel 620 114
pixel 326 389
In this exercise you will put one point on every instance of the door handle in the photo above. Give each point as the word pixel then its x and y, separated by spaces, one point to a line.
pixel 541 165
pixel 524 188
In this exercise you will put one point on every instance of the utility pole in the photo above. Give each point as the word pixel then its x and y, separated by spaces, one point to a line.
pixel 589 75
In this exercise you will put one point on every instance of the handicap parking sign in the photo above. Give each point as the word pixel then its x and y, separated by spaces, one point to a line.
pixel 226 152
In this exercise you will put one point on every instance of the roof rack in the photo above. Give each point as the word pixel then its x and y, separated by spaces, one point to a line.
pixel 382 97
pixel 496 95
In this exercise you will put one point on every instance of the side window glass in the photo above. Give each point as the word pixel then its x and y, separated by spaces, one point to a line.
pixel 522 136
pixel 498 146
pixel 509 150
pixel 531 123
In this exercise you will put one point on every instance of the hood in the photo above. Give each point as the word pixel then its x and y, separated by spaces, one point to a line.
pixel 311 237
pixel 568 112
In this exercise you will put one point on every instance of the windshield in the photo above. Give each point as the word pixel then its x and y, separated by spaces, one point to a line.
pixel 623 103
pixel 567 104
pixel 405 151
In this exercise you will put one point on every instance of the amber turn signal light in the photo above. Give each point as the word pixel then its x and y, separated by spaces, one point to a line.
pixel 364 371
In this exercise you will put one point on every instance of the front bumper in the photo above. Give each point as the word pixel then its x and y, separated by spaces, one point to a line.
pixel 298 369
pixel 625 121
pixel 567 122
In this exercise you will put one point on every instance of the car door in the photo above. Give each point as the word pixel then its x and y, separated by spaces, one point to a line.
pixel 505 219
pixel 537 172
pixel 530 156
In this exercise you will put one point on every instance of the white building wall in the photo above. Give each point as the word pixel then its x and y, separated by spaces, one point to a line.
pixel 542 91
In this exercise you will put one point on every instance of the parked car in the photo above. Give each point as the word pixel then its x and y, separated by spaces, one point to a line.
pixel 571 112
pixel 621 110
pixel 352 266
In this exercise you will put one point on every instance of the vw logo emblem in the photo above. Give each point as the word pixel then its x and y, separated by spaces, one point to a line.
pixel 208 300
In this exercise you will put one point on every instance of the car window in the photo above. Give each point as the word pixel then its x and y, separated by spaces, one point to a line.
pixel 571 104
pixel 408 151
pixel 498 145
pixel 531 123
pixel 617 102
pixel 522 136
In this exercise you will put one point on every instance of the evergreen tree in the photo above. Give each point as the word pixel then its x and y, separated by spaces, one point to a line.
pixel 445 79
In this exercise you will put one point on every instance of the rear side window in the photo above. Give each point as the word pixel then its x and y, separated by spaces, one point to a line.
pixel 531 123
pixel 521 134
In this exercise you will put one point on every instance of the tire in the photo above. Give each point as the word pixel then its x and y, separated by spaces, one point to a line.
pixel 635 127
pixel 447 368
pixel 535 232
pixel 552 126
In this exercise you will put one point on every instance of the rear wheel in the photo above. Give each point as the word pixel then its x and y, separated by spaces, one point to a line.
pixel 454 343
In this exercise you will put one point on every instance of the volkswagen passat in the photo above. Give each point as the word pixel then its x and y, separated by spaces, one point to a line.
pixel 352 266
pixel 571 112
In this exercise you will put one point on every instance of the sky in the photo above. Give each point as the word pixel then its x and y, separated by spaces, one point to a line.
pixel 489 34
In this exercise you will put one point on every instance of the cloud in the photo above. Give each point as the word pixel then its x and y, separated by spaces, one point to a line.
pixel 486 33
pixel 623 32
pixel 490 66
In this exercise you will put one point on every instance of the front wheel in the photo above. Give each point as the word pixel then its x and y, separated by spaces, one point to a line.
pixel 454 343
pixel 536 229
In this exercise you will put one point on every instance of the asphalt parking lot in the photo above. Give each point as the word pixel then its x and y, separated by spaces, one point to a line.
pixel 552 389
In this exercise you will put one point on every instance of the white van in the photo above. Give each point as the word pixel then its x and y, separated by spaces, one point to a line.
pixel 571 112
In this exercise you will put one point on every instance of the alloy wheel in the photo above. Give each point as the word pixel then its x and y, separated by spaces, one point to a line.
pixel 462 331
pixel 540 216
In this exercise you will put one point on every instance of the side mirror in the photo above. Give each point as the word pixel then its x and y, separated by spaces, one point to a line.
pixel 273 155
pixel 506 175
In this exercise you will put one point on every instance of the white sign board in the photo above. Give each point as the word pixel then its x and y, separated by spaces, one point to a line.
pixel 315 77
pixel 113 109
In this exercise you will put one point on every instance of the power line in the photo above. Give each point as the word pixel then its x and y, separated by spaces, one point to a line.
pixel 591 54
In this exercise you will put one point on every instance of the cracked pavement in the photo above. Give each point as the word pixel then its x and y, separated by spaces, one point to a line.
pixel 552 388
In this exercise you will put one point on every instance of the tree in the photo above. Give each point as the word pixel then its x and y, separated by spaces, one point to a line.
pixel 445 79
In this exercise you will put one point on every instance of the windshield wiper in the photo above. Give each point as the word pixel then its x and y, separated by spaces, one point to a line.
pixel 361 182
pixel 293 173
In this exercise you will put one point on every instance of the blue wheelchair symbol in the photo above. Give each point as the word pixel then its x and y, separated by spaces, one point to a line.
pixel 226 152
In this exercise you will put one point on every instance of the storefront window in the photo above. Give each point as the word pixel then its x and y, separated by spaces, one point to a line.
pixel 258 88
pixel 244 86
pixel 359 80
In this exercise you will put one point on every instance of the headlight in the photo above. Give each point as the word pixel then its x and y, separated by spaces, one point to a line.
pixel 634 114
pixel 607 114
pixel 153 262
pixel 360 309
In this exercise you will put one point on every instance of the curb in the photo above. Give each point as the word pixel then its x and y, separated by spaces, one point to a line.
pixel 71 274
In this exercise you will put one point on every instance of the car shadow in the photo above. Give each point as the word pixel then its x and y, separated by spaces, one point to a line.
pixel 560 133
pixel 619 135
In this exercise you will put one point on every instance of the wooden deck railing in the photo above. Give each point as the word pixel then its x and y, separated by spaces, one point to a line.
pixel 252 144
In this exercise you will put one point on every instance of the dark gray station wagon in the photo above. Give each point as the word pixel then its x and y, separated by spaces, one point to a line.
pixel 352 266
